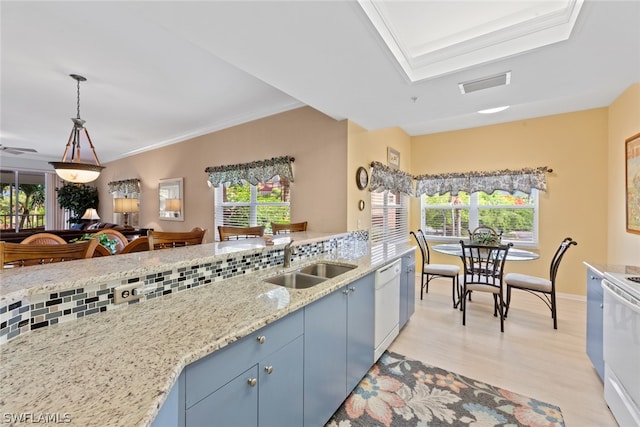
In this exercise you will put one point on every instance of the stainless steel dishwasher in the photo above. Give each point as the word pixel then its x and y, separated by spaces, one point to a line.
pixel 387 306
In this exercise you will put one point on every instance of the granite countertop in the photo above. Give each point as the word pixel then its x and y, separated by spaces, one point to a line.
pixel 602 268
pixel 18 283
pixel 117 368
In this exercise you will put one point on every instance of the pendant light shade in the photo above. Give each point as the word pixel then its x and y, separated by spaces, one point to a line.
pixel 72 168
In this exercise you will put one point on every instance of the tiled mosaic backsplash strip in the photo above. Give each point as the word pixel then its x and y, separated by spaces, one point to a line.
pixel 44 310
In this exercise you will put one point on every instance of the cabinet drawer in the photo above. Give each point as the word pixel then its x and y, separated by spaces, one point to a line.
pixel 208 374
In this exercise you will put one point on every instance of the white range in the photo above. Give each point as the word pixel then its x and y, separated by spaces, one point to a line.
pixel 621 330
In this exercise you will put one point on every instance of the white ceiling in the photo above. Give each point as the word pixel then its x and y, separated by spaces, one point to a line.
pixel 162 72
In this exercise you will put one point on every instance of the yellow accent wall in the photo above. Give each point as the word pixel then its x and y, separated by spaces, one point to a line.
pixel 364 148
pixel 574 145
pixel 624 122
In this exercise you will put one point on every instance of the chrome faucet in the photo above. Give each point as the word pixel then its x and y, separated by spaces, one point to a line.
pixel 288 251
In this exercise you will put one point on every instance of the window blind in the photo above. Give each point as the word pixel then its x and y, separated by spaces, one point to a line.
pixel 389 217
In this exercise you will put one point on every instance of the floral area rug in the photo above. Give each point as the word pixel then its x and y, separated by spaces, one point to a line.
pixel 398 392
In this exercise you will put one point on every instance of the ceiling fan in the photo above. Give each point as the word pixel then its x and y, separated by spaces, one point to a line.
pixel 16 150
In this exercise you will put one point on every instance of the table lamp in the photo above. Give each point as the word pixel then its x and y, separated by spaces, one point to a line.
pixel 125 206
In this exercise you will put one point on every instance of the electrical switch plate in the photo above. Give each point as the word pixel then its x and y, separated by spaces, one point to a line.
pixel 126 293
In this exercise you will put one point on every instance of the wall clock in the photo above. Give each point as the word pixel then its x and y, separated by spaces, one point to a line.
pixel 362 178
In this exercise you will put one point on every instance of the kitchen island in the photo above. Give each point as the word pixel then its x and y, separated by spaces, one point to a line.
pixel 117 367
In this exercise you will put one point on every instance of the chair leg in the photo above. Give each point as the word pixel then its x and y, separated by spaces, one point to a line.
pixel 454 285
pixel 464 307
pixel 554 312
pixel 422 286
pixel 501 313
pixel 506 307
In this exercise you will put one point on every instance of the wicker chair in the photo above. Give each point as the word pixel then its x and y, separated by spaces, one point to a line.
pixel 43 239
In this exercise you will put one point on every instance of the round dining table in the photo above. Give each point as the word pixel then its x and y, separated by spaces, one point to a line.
pixel 513 255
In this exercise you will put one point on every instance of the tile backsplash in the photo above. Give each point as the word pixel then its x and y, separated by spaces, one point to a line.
pixel 43 310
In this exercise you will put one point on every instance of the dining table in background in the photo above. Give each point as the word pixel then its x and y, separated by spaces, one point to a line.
pixel 455 249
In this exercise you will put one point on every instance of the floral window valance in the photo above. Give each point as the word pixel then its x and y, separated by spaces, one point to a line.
pixel 523 180
pixel 126 186
pixel 253 173
pixel 385 178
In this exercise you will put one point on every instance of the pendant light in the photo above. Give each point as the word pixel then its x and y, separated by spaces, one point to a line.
pixel 72 169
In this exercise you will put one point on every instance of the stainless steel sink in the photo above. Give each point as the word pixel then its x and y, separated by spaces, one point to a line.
pixel 326 270
pixel 310 275
pixel 296 280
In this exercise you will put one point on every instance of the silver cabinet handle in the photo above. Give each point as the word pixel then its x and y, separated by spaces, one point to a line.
pixel 345 292
pixel 261 339
pixel 352 289
pixel 252 382
pixel 268 369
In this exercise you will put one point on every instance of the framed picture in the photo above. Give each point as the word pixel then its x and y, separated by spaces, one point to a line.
pixel 632 166
pixel 393 158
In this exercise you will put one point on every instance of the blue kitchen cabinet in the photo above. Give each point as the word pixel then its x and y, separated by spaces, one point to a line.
pixel 407 288
pixel 235 403
pixel 360 330
pixel 268 394
pixel 594 321
pixel 338 348
pixel 257 380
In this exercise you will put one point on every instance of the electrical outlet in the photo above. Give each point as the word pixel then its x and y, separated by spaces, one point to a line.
pixel 126 293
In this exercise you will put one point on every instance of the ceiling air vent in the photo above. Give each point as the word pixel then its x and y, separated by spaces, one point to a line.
pixel 485 82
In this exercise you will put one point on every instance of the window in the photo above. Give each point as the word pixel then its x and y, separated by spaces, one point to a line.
pixel 22 202
pixel 253 205
pixel 389 217
pixel 446 217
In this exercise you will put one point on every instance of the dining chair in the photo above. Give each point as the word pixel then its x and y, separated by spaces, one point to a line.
pixel 483 270
pixel 121 240
pixel 431 271
pixel 20 255
pixel 141 244
pixel 277 228
pixel 543 288
pixel 43 239
pixel 174 239
pixel 228 232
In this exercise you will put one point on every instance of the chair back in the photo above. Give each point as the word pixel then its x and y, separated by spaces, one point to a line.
pixel 423 245
pixel 19 255
pixel 43 239
pixel 566 243
pixel 121 241
pixel 141 244
pixel 284 228
pixel 170 239
pixel 484 264
pixel 228 232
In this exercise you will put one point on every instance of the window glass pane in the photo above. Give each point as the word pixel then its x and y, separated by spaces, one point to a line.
pixel 514 215
pixel 236 193
pixel 273 191
pixel 22 207
pixel 249 206
pixel 452 221
pixel 504 198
